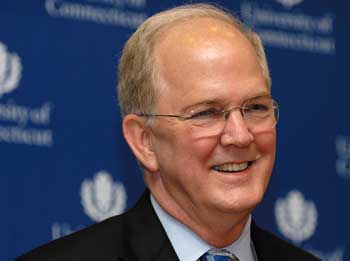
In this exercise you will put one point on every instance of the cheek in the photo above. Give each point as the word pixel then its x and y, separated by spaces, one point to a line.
pixel 187 143
pixel 266 143
pixel 165 140
pixel 200 149
pixel 266 146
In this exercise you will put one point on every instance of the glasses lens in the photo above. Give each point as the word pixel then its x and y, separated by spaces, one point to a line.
pixel 260 114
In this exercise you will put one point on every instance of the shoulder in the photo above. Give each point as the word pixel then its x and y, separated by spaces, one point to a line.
pixel 270 247
pixel 103 239
pixel 128 236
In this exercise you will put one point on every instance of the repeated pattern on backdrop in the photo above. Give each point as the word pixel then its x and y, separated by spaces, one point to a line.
pixel 64 164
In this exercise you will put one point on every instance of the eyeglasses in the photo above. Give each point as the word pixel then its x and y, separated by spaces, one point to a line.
pixel 259 114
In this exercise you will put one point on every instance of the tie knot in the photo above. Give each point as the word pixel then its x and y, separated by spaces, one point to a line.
pixel 218 255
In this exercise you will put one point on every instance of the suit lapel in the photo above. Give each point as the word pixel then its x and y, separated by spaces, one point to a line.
pixel 259 244
pixel 263 245
pixel 146 237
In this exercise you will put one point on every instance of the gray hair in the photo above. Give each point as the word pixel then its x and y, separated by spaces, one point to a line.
pixel 136 83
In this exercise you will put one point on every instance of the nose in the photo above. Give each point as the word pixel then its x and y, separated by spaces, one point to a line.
pixel 236 131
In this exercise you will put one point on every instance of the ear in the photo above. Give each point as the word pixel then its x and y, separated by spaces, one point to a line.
pixel 138 136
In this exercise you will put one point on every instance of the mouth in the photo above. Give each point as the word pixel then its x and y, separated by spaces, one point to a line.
pixel 232 167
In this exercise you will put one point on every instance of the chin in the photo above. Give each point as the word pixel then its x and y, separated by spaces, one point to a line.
pixel 243 202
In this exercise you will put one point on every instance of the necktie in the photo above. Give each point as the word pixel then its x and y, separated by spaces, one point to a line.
pixel 218 255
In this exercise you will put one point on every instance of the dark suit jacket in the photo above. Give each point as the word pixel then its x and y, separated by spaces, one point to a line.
pixel 139 235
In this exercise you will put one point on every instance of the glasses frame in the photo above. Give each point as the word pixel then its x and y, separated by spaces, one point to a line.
pixel 225 113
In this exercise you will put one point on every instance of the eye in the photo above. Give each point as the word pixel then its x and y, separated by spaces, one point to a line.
pixel 257 107
pixel 208 113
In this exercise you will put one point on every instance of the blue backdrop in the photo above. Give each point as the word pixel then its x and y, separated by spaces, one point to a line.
pixel 64 163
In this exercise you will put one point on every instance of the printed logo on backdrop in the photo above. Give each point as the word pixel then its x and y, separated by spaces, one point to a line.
pixel 10 70
pixel 336 255
pixel 20 124
pixel 102 197
pixel 284 26
pixel 342 147
pixel 289 3
pixel 296 217
pixel 124 13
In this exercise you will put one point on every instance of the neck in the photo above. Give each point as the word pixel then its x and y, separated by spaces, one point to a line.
pixel 217 228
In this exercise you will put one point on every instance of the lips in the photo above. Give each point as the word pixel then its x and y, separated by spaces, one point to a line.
pixel 232 167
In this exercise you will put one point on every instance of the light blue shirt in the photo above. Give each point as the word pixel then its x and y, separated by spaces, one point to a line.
pixel 190 247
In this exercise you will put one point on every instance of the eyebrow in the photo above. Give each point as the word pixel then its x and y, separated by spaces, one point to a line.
pixel 220 101
pixel 202 103
pixel 263 94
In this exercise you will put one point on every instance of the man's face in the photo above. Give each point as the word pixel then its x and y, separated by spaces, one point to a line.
pixel 203 64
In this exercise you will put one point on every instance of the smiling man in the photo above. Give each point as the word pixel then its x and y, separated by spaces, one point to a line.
pixel 194 91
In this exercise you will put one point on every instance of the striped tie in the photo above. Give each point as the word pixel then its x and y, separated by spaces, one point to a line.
pixel 218 255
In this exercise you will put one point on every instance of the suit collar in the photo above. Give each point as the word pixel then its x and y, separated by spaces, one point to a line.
pixel 265 244
pixel 146 236
pixel 261 247
pixel 147 240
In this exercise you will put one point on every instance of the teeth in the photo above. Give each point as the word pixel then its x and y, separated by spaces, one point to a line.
pixel 230 167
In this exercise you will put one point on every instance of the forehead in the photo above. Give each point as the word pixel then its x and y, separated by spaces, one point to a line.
pixel 189 33
pixel 204 57
pixel 196 39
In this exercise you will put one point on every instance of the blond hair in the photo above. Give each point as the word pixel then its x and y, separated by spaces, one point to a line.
pixel 137 90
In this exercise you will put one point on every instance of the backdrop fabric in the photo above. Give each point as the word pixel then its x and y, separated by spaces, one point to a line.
pixel 64 164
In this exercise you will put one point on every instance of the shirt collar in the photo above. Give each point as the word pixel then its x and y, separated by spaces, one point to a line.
pixel 181 237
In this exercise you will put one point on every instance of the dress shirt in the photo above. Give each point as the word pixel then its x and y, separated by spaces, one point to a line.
pixel 190 247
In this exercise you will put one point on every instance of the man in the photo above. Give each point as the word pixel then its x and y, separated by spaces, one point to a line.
pixel 194 91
